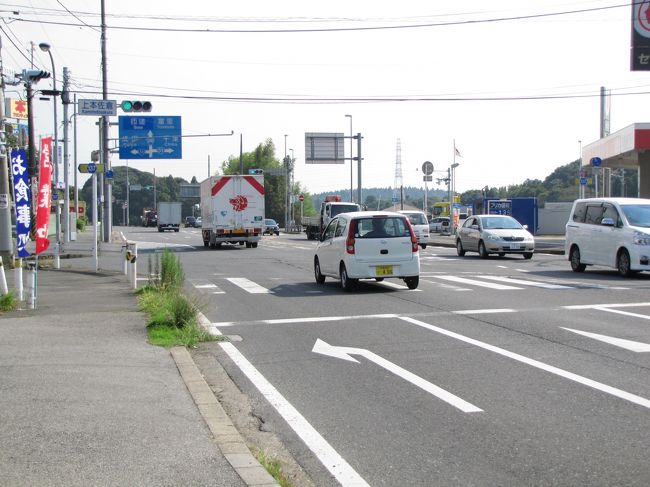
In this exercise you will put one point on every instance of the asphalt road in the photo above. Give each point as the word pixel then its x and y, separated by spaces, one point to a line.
pixel 493 372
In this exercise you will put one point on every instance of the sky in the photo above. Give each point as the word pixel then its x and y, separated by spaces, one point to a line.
pixel 513 86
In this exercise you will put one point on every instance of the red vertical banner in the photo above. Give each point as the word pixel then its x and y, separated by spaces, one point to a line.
pixel 44 199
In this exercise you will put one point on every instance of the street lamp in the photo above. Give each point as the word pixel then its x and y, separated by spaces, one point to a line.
pixel 351 161
pixel 45 47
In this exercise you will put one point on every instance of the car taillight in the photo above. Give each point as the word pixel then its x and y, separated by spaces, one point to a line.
pixel 349 242
pixel 414 240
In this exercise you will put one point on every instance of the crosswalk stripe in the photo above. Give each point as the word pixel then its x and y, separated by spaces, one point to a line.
pixel 526 283
pixel 474 282
pixel 248 285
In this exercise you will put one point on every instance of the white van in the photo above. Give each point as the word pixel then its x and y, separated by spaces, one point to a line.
pixel 612 232
pixel 420 224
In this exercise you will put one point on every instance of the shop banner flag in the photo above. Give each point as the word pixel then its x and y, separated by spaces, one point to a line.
pixel 22 199
pixel 44 199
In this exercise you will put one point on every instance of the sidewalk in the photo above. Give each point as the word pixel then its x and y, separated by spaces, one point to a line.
pixel 85 400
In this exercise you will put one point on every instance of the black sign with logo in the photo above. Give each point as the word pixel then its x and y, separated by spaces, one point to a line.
pixel 640 51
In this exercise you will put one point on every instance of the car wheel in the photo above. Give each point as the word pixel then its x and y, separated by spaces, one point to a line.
pixel 574 257
pixel 320 278
pixel 528 255
pixel 206 243
pixel 412 282
pixel 482 251
pixel 254 245
pixel 346 283
pixel 502 254
pixel 459 248
pixel 623 263
pixel 248 244
pixel 424 246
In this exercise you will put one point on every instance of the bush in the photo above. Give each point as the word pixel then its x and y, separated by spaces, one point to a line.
pixel 82 221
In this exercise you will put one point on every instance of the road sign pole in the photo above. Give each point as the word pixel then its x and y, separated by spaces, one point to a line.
pixel 94 207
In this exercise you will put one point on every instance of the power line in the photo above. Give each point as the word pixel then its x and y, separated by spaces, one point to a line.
pixel 345 29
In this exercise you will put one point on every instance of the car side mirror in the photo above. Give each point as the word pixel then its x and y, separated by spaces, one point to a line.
pixel 475 227
pixel 607 222
pixel 525 227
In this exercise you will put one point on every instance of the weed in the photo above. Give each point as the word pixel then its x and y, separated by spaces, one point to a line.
pixel 274 467
pixel 8 302
pixel 171 270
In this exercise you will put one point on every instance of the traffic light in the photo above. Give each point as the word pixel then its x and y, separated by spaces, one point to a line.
pixel 135 106
pixel 33 75
pixel 255 171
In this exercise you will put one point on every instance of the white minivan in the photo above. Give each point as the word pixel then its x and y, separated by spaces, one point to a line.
pixel 612 232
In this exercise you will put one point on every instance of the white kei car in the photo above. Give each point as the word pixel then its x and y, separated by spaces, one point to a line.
pixel 368 245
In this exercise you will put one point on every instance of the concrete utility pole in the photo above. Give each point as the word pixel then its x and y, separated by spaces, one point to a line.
pixel 6 245
pixel 107 222
pixel 65 98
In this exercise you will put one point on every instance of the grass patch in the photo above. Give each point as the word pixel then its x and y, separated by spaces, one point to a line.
pixel 273 467
pixel 8 302
pixel 173 316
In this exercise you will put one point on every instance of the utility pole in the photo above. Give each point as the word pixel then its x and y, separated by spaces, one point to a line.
pixel 107 222
pixel 65 98
pixel 6 245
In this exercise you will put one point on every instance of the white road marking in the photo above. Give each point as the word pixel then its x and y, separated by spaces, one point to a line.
pixel 631 345
pixel 522 270
pixel 483 311
pixel 327 455
pixel 448 286
pixel 345 353
pixel 474 282
pixel 314 319
pixel 610 305
pixel 626 313
pixel 213 288
pixel 397 286
pixel 633 398
pixel 526 283
pixel 248 285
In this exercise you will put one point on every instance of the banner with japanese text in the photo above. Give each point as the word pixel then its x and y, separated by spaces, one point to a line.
pixel 22 200
pixel 44 199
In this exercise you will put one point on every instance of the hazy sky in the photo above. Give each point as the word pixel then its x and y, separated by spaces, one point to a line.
pixel 515 85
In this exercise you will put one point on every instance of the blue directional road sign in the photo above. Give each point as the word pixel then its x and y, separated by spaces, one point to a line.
pixel 150 137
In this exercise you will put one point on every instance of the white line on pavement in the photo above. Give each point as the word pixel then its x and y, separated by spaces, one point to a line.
pixel 248 285
pixel 526 283
pixel 474 282
pixel 633 398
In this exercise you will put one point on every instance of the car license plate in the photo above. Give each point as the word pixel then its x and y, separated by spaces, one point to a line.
pixel 514 246
pixel 384 270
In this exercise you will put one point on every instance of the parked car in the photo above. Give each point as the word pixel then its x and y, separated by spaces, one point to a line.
pixel 612 232
pixel 368 245
pixel 494 234
pixel 420 224
pixel 198 222
pixel 439 224
pixel 190 221
pixel 271 227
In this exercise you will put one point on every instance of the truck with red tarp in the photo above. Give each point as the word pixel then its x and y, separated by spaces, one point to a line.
pixel 232 208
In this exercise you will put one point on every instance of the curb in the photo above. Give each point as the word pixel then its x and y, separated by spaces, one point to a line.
pixel 228 439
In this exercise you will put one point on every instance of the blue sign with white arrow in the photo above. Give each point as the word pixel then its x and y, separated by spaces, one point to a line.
pixel 150 137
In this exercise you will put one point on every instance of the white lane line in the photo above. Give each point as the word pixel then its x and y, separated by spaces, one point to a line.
pixel 633 398
pixel 212 288
pixel 474 282
pixel 483 311
pixel 626 313
pixel 605 305
pixel 397 286
pixel 638 347
pixel 315 319
pixel 328 456
pixel 248 285
pixel 526 283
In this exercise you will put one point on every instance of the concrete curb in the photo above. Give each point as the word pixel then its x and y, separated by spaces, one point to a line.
pixel 228 439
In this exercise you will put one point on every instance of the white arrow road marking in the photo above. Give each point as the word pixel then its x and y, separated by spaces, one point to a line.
pixel 626 313
pixel 344 353
pixel 619 342
pixel 641 401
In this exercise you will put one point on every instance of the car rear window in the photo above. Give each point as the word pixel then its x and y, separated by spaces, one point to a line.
pixel 417 218
pixel 382 227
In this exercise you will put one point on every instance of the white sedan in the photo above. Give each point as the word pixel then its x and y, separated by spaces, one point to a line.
pixel 494 234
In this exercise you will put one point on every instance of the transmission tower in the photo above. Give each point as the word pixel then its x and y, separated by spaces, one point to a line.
pixel 399 181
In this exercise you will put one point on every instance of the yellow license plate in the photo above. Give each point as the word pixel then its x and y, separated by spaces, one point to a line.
pixel 384 270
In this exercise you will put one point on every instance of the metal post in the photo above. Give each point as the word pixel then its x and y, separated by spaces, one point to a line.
pixel 30 285
pixel 76 188
pixel 107 222
pixel 358 159
pixel 6 244
pixel 95 221
pixel 128 194
pixel 351 162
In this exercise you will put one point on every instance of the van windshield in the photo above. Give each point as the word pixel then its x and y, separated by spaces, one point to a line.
pixel 637 215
